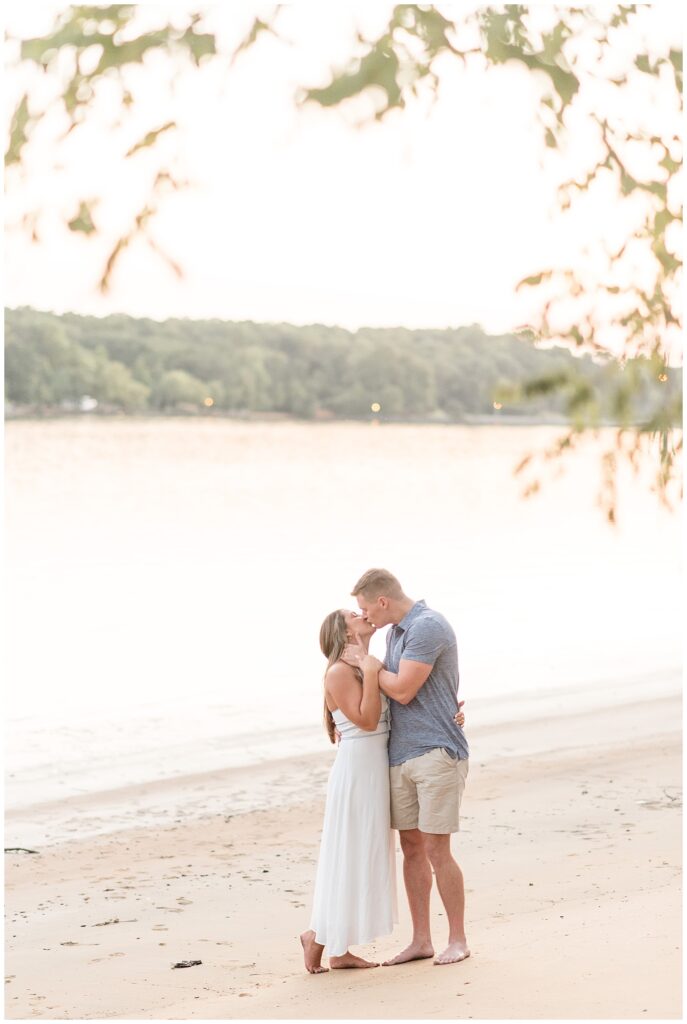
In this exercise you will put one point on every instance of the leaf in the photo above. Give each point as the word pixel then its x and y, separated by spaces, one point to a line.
pixel 553 42
pixel 431 27
pixel 18 132
pixel 498 49
pixel 119 246
pixel 672 166
pixel 522 465
pixel 565 83
pixel 676 60
pixel 627 182
pixel 533 280
pixel 257 28
pixel 150 137
pixel 669 262
pixel 83 221
pixel 201 44
pixel 378 67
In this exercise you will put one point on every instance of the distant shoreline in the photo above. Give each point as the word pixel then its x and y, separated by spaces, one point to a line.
pixel 508 420
pixel 121 364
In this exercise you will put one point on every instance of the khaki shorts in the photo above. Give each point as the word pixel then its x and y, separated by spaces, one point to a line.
pixel 426 792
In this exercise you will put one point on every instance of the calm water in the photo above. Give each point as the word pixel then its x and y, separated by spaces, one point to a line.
pixel 167 579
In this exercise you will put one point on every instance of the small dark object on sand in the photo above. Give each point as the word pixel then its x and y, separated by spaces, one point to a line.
pixel 187 963
pixel 18 849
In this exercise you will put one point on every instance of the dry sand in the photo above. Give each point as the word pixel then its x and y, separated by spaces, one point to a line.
pixel 572 867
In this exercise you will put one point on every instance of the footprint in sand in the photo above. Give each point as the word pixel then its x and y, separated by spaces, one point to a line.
pixel 109 956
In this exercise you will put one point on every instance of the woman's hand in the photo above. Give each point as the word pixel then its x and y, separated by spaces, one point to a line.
pixel 459 717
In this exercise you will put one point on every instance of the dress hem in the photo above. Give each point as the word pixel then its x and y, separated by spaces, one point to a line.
pixel 353 942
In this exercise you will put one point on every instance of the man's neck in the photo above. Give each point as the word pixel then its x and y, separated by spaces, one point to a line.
pixel 401 608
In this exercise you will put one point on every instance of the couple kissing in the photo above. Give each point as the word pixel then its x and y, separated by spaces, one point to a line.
pixel 401 763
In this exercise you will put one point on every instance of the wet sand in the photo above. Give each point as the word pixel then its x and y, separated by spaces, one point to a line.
pixel 571 856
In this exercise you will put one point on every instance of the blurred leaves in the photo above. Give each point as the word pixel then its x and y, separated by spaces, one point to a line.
pixel 89 45
pixel 406 53
pixel 564 51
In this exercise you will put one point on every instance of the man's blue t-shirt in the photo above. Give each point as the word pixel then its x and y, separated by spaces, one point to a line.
pixel 427 721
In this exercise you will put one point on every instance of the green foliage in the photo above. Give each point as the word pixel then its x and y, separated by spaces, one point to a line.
pixel 178 388
pixel 115 385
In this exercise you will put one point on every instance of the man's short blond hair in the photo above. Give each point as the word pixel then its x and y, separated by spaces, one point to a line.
pixel 378 583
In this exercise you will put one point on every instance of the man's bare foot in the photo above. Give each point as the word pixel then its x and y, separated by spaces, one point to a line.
pixel 415 951
pixel 339 963
pixel 453 954
pixel 312 953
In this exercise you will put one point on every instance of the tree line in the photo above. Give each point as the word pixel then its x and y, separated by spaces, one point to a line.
pixel 125 364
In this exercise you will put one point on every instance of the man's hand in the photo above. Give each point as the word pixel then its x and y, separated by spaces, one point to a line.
pixel 459 717
pixel 354 654
pixel 370 662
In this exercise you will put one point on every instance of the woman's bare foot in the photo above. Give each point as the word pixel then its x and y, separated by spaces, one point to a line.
pixel 453 954
pixel 415 951
pixel 338 963
pixel 312 953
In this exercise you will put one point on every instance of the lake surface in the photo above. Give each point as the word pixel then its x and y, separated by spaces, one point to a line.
pixel 167 579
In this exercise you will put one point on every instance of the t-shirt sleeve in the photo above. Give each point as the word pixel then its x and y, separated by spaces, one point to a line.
pixel 425 641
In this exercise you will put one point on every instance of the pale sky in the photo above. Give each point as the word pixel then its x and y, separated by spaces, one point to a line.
pixel 427 220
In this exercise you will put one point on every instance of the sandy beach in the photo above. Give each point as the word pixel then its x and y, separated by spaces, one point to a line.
pixel 571 856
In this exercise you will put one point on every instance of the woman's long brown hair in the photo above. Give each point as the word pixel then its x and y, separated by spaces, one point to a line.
pixel 333 640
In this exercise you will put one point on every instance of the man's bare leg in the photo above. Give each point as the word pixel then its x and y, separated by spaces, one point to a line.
pixel 417 874
pixel 452 891
pixel 312 953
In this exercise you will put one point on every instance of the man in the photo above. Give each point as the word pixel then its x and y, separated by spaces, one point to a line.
pixel 428 755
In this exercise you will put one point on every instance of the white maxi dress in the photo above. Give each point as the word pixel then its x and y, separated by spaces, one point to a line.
pixel 355 886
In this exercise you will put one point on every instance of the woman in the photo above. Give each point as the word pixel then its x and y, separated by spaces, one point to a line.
pixel 355 888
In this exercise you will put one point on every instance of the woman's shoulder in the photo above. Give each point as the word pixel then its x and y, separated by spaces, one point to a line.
pixel 340 672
